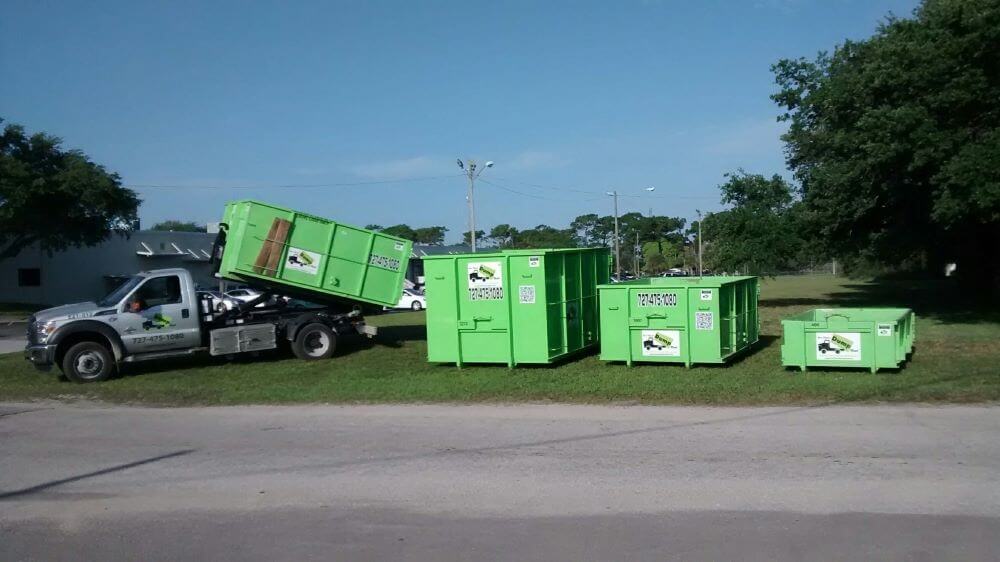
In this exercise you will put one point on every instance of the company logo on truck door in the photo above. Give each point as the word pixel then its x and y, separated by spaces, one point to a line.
pixel 838 346
pixel 302 260
pixel 485 280
pixel 656 299
pixel 392 264
pixel 661 343
pixel 157 321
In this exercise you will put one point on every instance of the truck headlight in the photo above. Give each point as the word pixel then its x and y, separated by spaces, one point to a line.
pixel 44 330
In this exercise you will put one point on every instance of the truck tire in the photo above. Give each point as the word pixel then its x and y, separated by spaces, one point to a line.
pixel 314 341
pixel 88 362
pixel 416 306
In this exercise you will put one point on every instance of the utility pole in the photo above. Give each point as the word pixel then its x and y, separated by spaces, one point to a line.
pixel 618 254
pixel 699 243
pixel 635 254
pixel 472 174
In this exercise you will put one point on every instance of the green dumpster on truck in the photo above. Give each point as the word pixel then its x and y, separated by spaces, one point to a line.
pixel 292 252
pixel 869 338
pixel 678 319
pixel 513 306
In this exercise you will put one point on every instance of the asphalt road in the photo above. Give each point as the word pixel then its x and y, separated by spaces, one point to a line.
pixel 12 337
pixel 535 482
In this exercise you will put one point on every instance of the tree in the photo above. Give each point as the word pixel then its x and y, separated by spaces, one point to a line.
pixel 503 236
pixel 433 235
pixel 467 239
pixel 895 140
pixel 400 230
pixel 57 198
pixel 544 236
pixel 178 226
pixel 758 232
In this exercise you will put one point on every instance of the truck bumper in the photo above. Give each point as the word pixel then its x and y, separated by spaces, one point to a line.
pixel 41 356
pixel 366 329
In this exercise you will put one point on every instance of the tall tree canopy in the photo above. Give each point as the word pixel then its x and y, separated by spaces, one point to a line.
pixel 760 232
pixel 179 226
pixel 895 140
pixel 57 198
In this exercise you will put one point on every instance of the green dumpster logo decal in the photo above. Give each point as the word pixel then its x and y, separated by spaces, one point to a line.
pixel 661 343
pixel 485 280
pixel 157 321
pixel 838 346
pixel 302 260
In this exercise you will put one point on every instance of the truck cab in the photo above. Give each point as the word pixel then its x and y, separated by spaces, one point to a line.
pixel 158 314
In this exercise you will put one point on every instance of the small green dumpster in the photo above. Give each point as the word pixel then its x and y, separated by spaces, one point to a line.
pixel 304 254
pixel 513 306
pixel 870 338
pixel 678 319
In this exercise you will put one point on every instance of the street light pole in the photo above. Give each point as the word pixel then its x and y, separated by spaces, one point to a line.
pixel 618 253
pixel 699 243
pixel 472 174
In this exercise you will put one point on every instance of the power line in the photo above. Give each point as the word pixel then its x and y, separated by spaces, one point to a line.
pixel 532 195
pixel 574 190
pixel 291 186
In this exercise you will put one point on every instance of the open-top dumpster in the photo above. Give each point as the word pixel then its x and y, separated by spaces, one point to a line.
pixel 513 306
pixel 678 319
pixel 309 256
pixel 869 338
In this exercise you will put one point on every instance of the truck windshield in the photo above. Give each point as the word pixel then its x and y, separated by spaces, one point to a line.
pixel 114 297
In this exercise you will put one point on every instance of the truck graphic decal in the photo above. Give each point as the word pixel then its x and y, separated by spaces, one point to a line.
pixel 661 343
pixel 303 260
pixel 485 280
pixel 838 346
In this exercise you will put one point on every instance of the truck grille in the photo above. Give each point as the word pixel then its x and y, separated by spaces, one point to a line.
pixel 32 333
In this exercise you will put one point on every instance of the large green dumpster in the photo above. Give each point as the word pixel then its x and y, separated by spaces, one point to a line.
pixel 870 338
pixel 513 306
pixel 309 255
pixel 678 319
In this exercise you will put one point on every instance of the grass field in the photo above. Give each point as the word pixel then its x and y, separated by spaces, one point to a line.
pixel 957 359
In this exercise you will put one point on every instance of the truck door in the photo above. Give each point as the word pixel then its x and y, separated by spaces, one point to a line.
pixel 158 315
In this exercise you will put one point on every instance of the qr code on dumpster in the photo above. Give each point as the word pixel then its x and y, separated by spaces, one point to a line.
pixel 703 321
pixel 527 294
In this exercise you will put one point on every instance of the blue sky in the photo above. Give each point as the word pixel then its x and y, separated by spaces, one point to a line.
pixel 570 99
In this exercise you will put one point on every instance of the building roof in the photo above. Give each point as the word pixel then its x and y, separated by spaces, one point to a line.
pixel 194 246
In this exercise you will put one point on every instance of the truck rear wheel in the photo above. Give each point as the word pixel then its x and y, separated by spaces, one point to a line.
pixel 314 341
pixel 88 362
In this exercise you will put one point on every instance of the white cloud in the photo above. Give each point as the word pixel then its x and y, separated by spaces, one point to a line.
pixel 403 168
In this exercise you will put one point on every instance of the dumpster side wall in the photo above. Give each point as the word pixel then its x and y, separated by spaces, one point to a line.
pixel 512 307
pixel 282 247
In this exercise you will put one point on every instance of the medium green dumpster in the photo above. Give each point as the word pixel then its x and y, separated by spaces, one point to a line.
pixel 305 254
pixel 513 306
pixel 678 319
pixel 870 338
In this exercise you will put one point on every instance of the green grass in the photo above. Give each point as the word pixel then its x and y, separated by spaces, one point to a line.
pixel 957 359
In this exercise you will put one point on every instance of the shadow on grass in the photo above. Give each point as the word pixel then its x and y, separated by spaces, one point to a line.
pixel 394 336
pixel 941 299
pixel 346 345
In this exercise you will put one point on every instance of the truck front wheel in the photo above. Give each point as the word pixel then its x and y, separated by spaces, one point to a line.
pixel 314 341
pixel 88 362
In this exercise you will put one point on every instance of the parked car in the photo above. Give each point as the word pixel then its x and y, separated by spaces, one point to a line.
pixel 674 272
pixel 245 295
pixel 220 302
pixel 412 299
